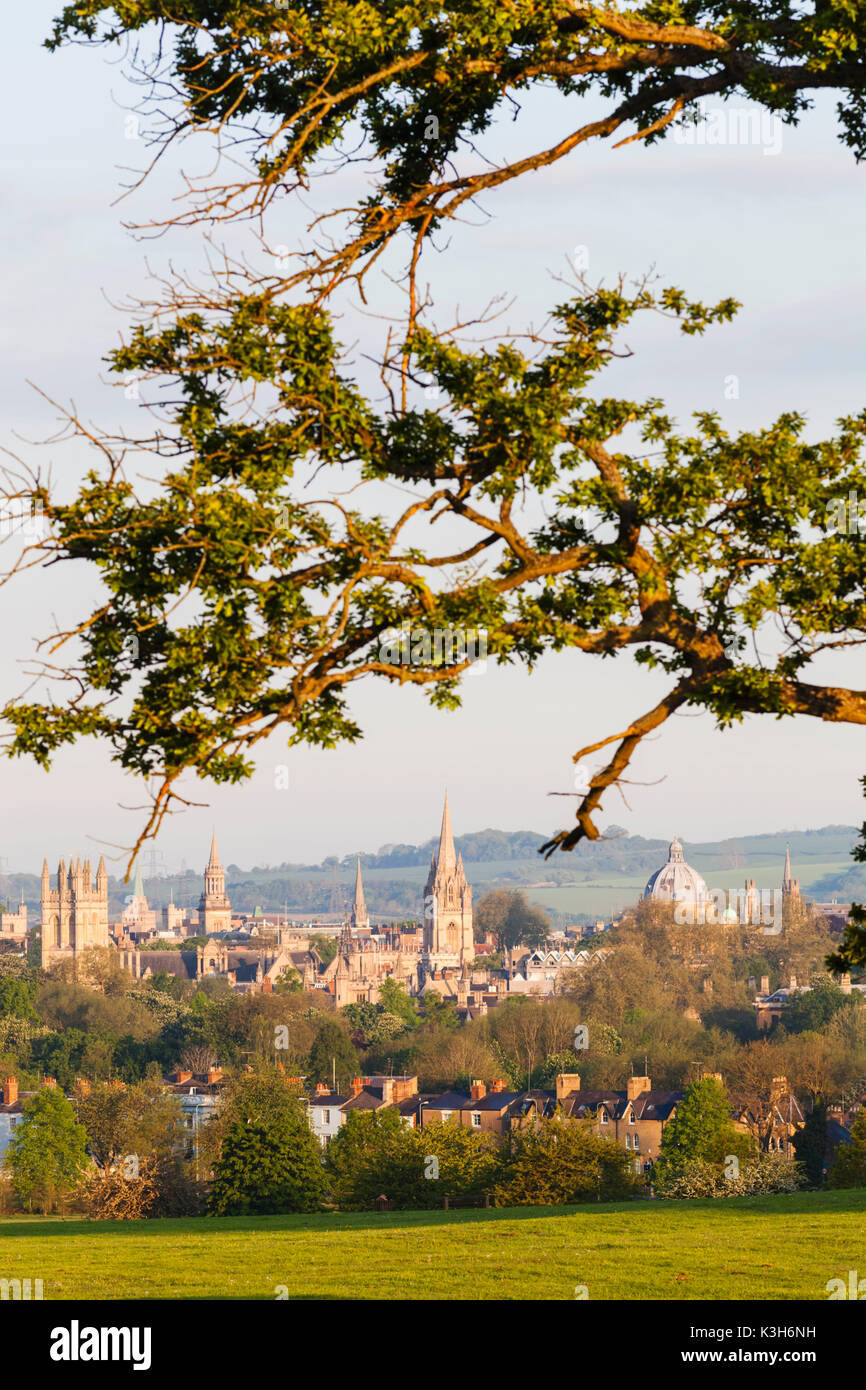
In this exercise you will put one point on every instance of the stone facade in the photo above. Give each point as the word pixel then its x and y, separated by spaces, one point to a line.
pixel 75 912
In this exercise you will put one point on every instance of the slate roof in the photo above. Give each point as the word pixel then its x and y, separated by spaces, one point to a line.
pixel 655 1105
pixel 180 963
pixel 449 1100
pixel 499 1100
pixel 364 1100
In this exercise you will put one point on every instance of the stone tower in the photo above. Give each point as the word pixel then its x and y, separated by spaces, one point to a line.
pixel 214 909
pixel 75 913
pixel 448 939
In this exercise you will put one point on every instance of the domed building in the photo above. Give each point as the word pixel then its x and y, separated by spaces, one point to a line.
pixel 678 883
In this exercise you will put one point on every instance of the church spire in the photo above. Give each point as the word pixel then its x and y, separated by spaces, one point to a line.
pixel 214 861
pixel 359 916
pixel 786 880
pixel 360 907
pixel 446 858
pixel 139 886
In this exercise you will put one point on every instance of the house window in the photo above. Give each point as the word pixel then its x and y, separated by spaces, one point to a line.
pixel 326 1117
pixel 476 1119
pixel 631 1118
pixel 604 1117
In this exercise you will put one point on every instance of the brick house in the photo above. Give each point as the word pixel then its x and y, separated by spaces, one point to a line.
pixel 635 1118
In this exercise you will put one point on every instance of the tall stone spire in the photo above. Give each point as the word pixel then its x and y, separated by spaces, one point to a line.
pixel 139 886
pixel 446 858
pixel 359 916
pixel 790 886
pixel 448 938
pixel 214 861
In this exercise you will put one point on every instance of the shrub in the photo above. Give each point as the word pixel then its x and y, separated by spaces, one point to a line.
pixel 558 1161
pixel 768 1173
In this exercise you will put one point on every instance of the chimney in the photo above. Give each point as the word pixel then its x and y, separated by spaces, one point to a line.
pixel 387 1089
pixel 778 1087
pixel 751 984
pixel 82 1086
pixel 358 1085
pixel 49 1081
pixel 322 1089
pixel 182 1075
pixel 10 1090
pixel 765 984
pixel 637 1085
pixel 845 983
pixel 566 1082
pixel 213 1075
pixel 477 1091
pixel 496 1086
pixel 792 982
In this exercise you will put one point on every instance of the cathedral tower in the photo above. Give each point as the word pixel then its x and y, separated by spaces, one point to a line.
pixel 75 913
pixel 448 938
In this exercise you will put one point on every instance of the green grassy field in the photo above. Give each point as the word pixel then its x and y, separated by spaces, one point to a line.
pixel 744 1248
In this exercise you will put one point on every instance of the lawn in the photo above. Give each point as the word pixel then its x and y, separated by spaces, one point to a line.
pixel 743 1248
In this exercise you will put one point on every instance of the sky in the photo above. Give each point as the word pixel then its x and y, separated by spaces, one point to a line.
pixel 778 222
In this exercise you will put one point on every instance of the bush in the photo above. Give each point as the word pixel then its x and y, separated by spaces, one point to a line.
pixel 766 1174
pixel 558 1161
pixel 162 1187
pixel 375 1153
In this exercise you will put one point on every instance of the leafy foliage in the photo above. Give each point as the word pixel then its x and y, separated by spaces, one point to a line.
pixel 332 1056
pixel 849 1166
pixel 376 1154
pixel 423 82
pixel 552 1161
pixel 701 1129
pixel 46 1154
pixel 268 1159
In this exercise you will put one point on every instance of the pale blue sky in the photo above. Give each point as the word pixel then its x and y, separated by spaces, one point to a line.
pixel 784 233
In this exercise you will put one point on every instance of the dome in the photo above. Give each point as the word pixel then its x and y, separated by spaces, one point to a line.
pixel 676 881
